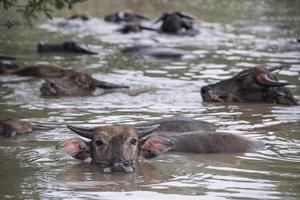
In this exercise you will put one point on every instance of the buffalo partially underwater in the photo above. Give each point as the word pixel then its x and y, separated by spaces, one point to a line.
pixel 253 85
pixel 117 147
pixel 75 83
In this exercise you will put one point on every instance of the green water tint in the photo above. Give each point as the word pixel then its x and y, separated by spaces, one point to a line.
pixel 233 35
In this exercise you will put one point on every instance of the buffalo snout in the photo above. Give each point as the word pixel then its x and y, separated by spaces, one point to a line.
pixel 118 164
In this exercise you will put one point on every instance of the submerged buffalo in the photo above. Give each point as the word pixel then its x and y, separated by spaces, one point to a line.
pixel 177 23
pixel 6 57
pixel 79 15
pixel 117 147
pixel 179 124
pixel 7 66
pixel 65 47
pixel 256 84
pixel 124 16
pixel 75 83
pixel 14 127
pixel 154 52
pixel 134 27
pixel 40 70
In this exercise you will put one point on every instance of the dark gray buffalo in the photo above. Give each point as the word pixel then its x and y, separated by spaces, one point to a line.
pixel 155 52
pixel 257 84
pixel 177 23
pixel 65 47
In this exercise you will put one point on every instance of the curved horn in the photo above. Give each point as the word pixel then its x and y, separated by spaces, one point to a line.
pixel 264 79
pixel 106 85
pixel 147 28
pixel 160 18
pixel 141 17
pixel 187 16
pixel 276 68
pixel 143 131
pixel 84 132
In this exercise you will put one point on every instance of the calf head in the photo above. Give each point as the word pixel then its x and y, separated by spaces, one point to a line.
pixel 175 22
pixel 124 16
pixel 256 84
pixel 74 83
pixel 115 148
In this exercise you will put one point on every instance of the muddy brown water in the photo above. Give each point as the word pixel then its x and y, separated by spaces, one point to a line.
pixel 233 35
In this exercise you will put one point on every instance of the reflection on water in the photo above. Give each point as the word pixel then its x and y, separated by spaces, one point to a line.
pixel 233 35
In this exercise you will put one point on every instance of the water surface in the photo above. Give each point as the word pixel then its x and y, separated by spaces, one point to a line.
pixel 233 35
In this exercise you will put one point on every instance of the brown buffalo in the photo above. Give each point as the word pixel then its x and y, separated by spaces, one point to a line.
pixel 117 147
pixel 134 27
pixel 79 15
pixel 124 16
pixel 256 84
pixel 7 66
pixel 41 70
pixel 177 23
pixel 14 127
pixel 75 83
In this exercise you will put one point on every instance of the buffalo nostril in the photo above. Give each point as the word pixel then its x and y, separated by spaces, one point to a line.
pixel 204 90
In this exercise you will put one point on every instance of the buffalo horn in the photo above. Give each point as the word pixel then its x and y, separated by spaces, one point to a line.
pixel 84 132
pixel 276 68
pixel 143 131
pixel 106 85
pixel 142 17
pixel 183 15
pixel 264 79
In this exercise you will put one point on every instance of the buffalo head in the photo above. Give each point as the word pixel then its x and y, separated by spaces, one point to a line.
pixel 79 15
pixel 256 84
pixel 74 83
pixel 177 23
pixel 114 148
pixel 69 46
pixel 134 27
pixel 124 16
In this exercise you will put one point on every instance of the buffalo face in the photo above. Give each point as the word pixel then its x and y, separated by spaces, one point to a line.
pixel 124 16
pixel 75 83
pixel 256 84
pixel 114 148
pixel 177 23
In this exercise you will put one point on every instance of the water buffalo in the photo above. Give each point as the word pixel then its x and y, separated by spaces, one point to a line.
pixel 256 84
pixel 134 27
pixel 179 124
pixel 65 47
pixel 82 16
pixel 177 23
pixel 117 147
pixel 5 57
pixel 154 52
pixel 75 83
pixel 7 66
pixel 124 16
pixel 41 70
pixel 13 127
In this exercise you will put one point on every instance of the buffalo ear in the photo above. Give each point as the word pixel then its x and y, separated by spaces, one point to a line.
pixel 155 145
pixel 75 147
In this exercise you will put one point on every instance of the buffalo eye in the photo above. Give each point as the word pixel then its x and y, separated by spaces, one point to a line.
pixel 133 141
pixel 99 142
